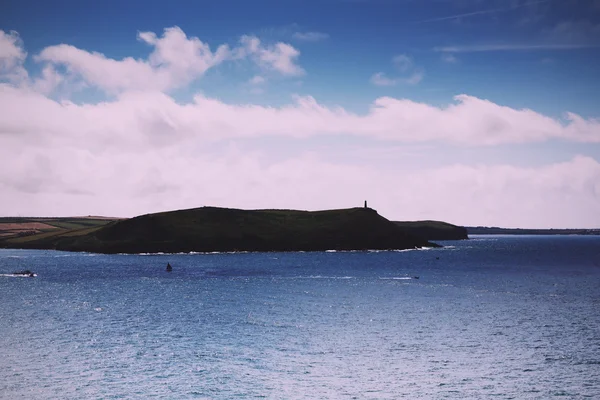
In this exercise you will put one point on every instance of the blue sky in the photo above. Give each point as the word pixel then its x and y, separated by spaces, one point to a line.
pixel 328 67
pixel 363 36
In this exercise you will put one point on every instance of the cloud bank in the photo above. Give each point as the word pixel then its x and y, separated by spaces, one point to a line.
pixel 142 116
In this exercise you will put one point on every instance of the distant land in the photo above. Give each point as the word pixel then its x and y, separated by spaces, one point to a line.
pixel 433 230
pixel 485 230
pixel 208 229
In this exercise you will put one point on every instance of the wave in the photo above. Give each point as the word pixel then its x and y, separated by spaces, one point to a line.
pixel 193 253
pixel 17 275
pixel 400 278
pixel 182 253
pixel 323 277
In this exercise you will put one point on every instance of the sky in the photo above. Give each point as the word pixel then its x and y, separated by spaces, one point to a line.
pixel 474 112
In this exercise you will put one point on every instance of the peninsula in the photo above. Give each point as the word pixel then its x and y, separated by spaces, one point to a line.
pixel 209 229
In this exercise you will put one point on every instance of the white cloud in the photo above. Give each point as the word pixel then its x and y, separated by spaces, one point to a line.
pixel 137 117
pixel 310 36
pixel 144 152
pixel 280 57
pixel 12 57
pixel 175 61
pixel 61 179
pixel 48 81
pixel 565 194
pixel 256 85
pixel 404 64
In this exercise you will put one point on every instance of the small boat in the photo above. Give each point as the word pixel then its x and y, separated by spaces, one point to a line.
pixel 169 268
pixel 26 273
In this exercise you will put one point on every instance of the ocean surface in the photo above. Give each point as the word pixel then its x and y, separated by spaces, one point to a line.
pixel 507 317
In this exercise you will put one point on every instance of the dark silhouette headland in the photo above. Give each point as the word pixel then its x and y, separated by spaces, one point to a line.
pixel 213 229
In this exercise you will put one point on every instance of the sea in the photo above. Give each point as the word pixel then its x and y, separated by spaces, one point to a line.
pixel 500 317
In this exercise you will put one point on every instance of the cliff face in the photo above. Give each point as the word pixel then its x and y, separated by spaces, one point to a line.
pixel 433 230
pixel 218 229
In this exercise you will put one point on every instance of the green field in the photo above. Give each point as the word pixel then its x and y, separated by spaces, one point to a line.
pixel 20 230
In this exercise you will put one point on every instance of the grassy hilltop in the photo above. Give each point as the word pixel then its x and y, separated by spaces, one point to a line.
pixel 221 229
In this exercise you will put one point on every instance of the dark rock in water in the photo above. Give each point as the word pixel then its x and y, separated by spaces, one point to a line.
pixel 169 268
pixel 415 277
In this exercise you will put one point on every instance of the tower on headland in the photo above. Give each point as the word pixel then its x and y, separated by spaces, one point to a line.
pixel 366 204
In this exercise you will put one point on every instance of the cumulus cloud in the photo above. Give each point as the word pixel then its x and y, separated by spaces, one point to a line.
pixel 280 57
pixel 12 56
pixel 175 61
pixel 49 80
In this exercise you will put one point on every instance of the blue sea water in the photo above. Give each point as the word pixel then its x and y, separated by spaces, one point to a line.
pixel 492 317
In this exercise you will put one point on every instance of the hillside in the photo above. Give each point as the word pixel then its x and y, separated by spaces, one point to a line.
pixel 433 230
pixel 29 229
pixel 219 229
